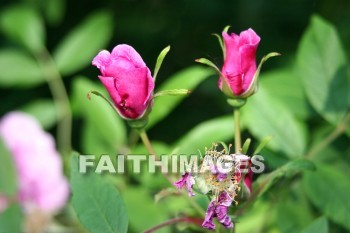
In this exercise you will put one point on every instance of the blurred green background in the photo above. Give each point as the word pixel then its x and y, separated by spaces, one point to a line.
pixel 301 102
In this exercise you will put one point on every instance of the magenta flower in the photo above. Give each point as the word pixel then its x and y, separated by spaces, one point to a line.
pixel 245 164
pixel 239 66
pixel 248 180
pixel 127 80
pixel 188 180
pixel 41 183
pixel 218 208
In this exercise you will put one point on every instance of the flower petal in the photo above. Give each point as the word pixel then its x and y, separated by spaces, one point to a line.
pixel 102 60
pixel 129 53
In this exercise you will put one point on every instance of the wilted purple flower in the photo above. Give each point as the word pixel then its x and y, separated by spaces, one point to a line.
pixel 41 183
pixel 188 180
pixel 218 208
pixel 220 175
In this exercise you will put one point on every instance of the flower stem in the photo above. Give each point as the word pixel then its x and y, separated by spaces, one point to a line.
pixel 196 221
pixel 238 143
pixel 60 98
pixel 147 142
pixel 148 145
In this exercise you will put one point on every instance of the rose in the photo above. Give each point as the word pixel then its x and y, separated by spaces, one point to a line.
pixel 239 65
pixel 41 183
pixel 127 80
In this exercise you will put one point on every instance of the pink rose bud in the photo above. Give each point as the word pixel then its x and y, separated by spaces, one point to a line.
pixel 239 66
pixel 127 80
pixel 41 183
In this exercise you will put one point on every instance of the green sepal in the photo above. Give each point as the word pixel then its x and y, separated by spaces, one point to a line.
pixel 140 123
pixel 225 88
pixel 246 145
pixel 262 144
pixel 208 63
pixel 221 42
pixel 226 28
pixel 174 92
pixel 236 103
pixel 253 87
pixel 159 62
pixel 224 145
pixel 97 93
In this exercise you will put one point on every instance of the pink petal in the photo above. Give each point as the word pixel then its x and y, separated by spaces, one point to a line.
pixel 129 53
pixel 102 60
pixel 109 84
pixel 249 42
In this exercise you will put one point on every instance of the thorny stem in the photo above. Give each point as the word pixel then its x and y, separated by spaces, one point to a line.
pixel 61 100
pixel 330 138
pixel 238 144
pixel 148 145
pixel 196 221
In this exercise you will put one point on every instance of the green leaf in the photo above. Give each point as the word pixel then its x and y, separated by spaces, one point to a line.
pixel 320 225
pixel 54 11
pixel 265 115
pixel 109 124
pixel 19 70
pixel 143 211
pixel 24 25
pixel 286 86
pixel 8 177
pixel 287 170
pixel 97 202
pixel 160 59
pixel 93 142
pixel 44 111
pixel 189 79
pixel 322 66
pixel 80 46
pixel 11 219
pixel 289 217
pixel 206 133
pixel 328 189
pixel 256 219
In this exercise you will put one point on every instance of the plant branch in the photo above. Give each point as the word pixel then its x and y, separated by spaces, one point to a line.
pixel 330 138
pixel 61 100
pixel 195 221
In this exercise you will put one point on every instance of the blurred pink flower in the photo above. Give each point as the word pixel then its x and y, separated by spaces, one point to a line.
pixel 127 80
pixel 239 66
pixel 41 183
pixel 3 203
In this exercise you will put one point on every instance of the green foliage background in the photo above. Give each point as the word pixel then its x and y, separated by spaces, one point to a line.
pixel 303 98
